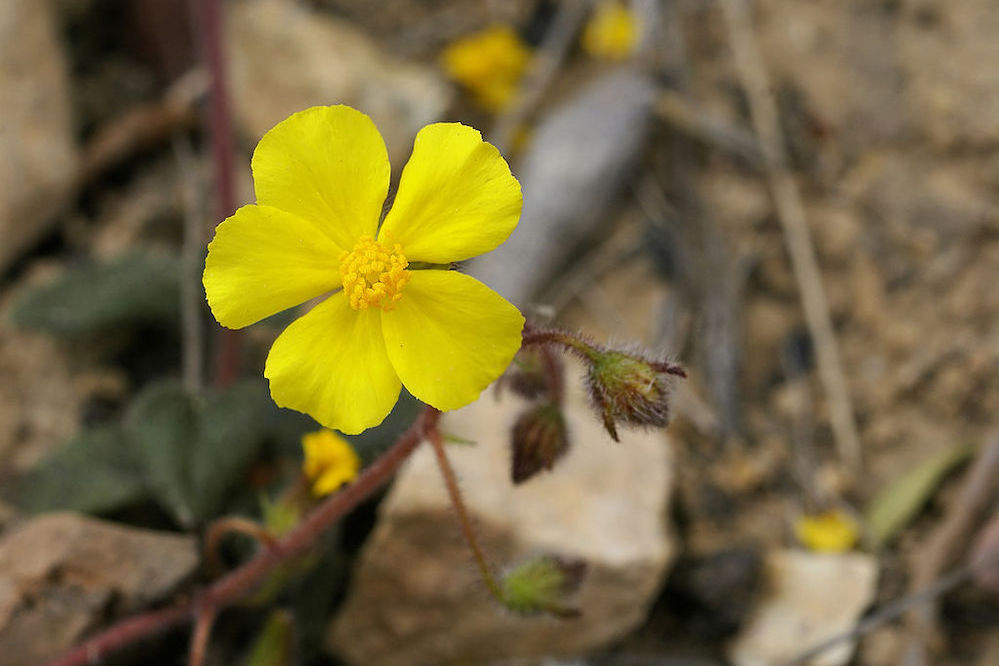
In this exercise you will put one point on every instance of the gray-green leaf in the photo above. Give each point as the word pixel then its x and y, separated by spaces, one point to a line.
pixel 95 472
pixel 137 287
pixel 899 502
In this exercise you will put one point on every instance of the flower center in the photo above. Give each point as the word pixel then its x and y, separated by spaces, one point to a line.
pixel 374 274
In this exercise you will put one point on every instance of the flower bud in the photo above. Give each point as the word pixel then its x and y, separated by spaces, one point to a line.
pixel 527 375
pixel 540 438
pixel 541 584
pixel 627 388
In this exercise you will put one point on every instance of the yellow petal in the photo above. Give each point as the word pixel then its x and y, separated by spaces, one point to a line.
pixel 457 197
pixel 327 164
pixel 330 461
pixel 833 531
pixel 263 261
pixel 450 336
pixel 331 364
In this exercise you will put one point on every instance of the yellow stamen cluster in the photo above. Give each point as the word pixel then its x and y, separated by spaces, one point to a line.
pixel 374 274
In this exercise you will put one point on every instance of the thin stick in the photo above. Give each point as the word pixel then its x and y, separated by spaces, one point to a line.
pixel 209 15
pixel 791 213
pixel 949 539
pixel 451 482
pixel 192 299
pixel 892 611
pixel 246 578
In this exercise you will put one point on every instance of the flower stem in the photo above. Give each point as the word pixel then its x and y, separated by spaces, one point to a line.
pixel 535 336
pixel 243 580
pixel 208 15
pixel 451 482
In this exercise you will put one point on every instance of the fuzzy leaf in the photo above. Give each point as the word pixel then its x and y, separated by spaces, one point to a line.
pixel 893 508
pixel 193 448
pixel 95 472
pixel 138 287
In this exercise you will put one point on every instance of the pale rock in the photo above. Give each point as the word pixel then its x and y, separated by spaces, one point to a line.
pixel 416 597
pixel 36 130
pixel 60 573
pixel 580 158
pixel 40 403
pixel 285 58
pixel 812 596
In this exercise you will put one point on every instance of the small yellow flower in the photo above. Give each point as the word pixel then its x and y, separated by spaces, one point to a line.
pixel 329 462
pixel 489 63
pixel 611 32
pixel 321 177
pixel 832 532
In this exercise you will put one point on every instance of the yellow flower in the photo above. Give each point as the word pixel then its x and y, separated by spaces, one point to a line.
pixel 321 177
pixel 833 531
pixel 611 32
pixel 489 63
pixel 329 462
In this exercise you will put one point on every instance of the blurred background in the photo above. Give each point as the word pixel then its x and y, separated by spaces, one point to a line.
pixel 798 200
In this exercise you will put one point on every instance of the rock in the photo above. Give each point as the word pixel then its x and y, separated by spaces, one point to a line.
pixel 60 574
pixel 416 597
pixel 285 58
pixel 36 130
pixel 40 402
pixel 812 596
pixel 578 161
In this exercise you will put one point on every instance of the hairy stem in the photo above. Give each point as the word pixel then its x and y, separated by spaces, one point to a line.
pixel 451 482
pixel 243 580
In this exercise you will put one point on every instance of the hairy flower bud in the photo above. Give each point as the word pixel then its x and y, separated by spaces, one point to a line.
pixel 541 584
pixel 627 388
pixel 540 438
pixel 527 374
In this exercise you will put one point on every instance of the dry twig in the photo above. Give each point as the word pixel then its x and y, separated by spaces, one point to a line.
pixel 946 543
pixel 791 213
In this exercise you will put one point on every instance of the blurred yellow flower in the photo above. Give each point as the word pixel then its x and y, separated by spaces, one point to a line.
pixel 330 461
pixel 611 32
pixel 489 63
pixel 833 531
pixel 321 177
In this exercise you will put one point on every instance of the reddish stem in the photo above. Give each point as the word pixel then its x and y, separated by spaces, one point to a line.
pixel 242 581
pixel 454 492
pixel 209 19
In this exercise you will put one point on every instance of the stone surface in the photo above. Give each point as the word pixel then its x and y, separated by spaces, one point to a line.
pixel 60 574
pixel 811 597
pixel 36 132
pixel 579 159
pixel 416 597
pixel 40 400
pixel 285 58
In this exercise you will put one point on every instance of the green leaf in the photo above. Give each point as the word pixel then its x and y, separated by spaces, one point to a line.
pixel 95 472
pixel 273 646
pixel 899 502
pixel 194 448
pixel 85 300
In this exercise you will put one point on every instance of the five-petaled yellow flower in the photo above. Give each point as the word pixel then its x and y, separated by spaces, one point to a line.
pixel 397 315
pixel 330 461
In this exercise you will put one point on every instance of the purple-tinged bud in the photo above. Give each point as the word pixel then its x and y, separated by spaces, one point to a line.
pixel 540 437
pixel 541 585
pixel 629 389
